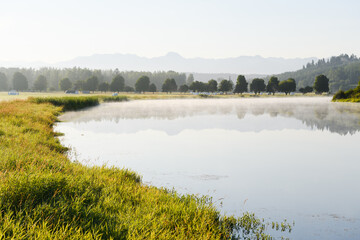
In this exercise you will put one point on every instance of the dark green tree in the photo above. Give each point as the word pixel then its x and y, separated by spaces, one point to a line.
pixel 65 84
pixel 241 85
pixel 169 85
pixel 198 86
pixel 225 86
pixel 273 85
pixel 20 83
pixel 190 79
pixel 287 86
pixel 152 88
pixel 321 84
pixel 40 83
pixel 142 84
pixel 183 88
pixel 257 85
pixel 91 84
pixel 307 89
pixel 212 85
pixel 129 89
pixel 104 87
pixel 3 82
pixel 117 84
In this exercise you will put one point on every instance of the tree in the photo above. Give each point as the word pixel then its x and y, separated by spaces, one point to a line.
pixel 65 84
pixel 20 82
pixel 40 83
pixel 190 79
pixel 128 89
pixel 183 88
pixel 152 88
pixel 79 85
pixel 321 84
pixel 198 86
pixel 273 85
pixel 117 84
pixel 3 82
pixel 212 85
pixel 91 83
pixel 142 84
pixel 226 86
pixel 104 87
pixel 307 89
pixel 241 85
pixel 257 85
pixel 169 85
pixel 287 86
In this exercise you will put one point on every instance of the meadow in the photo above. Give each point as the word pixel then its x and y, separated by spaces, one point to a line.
pixel 44 195
pixel 137 96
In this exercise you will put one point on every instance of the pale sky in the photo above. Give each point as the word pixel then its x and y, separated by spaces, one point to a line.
pixel 52 30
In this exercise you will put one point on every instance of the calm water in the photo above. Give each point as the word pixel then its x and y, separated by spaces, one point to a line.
pixel 293 158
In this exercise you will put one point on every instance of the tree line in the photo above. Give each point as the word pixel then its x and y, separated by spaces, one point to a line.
pixel 78 76
pixel 257 85
pixel 143 84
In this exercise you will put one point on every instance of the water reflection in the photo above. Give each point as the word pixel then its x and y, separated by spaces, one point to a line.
pixel 314 113
pixel 268 156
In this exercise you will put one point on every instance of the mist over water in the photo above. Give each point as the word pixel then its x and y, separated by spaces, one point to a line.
pixel 293 158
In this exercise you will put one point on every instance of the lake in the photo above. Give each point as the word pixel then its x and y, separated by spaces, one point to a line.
pixel 282 158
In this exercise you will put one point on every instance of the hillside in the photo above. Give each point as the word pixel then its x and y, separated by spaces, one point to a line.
pixel 176 62
pixel 343 72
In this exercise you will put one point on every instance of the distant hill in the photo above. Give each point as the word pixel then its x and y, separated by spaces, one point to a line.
pixel 175 62
pixel 343 72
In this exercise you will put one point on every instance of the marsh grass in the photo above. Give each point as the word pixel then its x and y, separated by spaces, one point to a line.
pixel 43 195
pixel 114 98
pixel 68 103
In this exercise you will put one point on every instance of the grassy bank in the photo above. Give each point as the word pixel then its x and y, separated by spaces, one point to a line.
pixel 43 195
pixel 136 96
pixel 352 95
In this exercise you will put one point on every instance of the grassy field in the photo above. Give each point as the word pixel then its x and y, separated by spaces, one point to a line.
pixel 43 195
pixel 136 96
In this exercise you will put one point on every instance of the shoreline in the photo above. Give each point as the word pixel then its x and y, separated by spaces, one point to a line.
pixel 41 187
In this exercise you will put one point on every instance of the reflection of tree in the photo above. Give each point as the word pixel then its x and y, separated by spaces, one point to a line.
pixel 317 113
pixel 321 112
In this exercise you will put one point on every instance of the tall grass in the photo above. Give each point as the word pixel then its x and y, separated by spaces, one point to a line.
pixel 114 98
pixel 43 195
pixel 77 103
pixel 68 103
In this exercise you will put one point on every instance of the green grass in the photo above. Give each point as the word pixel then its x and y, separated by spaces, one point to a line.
pixel 352 95
pixel 68 103
pixel 114 98
pixel 43 195
pixel 138 96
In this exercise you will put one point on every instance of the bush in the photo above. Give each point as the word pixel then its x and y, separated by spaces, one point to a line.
pixel 339 95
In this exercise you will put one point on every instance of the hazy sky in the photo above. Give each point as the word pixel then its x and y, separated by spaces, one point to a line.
pixel 50 31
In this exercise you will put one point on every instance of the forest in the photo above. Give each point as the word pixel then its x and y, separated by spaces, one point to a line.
pixel 343 72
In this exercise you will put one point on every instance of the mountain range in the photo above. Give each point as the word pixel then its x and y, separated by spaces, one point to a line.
pixel 174 61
